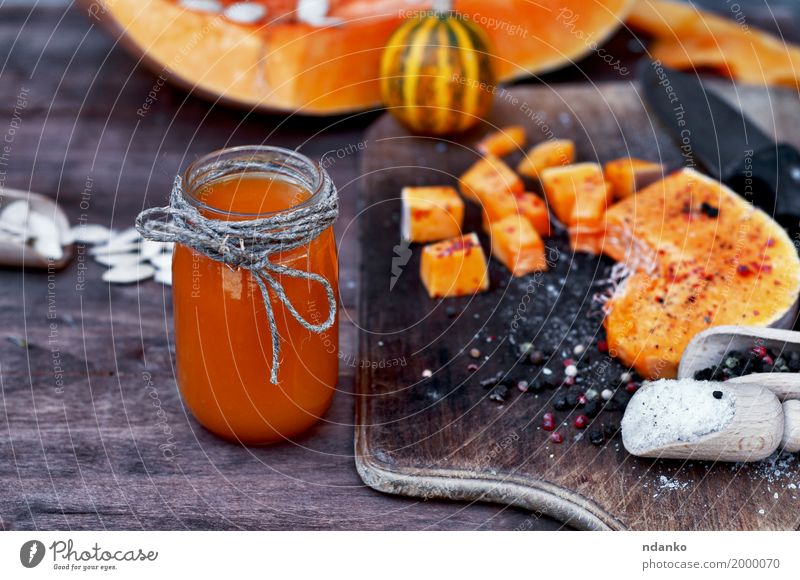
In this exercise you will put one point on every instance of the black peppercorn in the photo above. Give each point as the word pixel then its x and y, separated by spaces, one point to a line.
pixel 537 358
pixel 499 394
pixel 596 437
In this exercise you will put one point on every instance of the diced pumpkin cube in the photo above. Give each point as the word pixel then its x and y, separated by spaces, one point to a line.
pixel 454 267
pixel 546 154
pixel 498 204
pixel 590 206
pixel 562 184
pixel 431 213
pixel 534 208
pixel 628 175
pixel 586 239
pixel 517 245
pixel 529 205
pixel 489 174
pixel 503 142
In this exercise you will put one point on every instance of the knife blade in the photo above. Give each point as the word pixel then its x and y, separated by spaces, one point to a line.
pixel 725 142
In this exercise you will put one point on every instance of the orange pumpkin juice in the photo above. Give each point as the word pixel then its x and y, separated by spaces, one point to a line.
pixel 223 342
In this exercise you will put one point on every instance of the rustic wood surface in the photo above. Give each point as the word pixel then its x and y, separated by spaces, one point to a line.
pixel 442 436
pixel 95 454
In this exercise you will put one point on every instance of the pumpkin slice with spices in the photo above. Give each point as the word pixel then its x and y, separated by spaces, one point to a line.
pixel 700 256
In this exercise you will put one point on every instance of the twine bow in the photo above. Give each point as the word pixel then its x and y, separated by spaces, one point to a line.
pixel 249 244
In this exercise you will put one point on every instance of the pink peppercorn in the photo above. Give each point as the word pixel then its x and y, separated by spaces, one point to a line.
pixel 556 438
pixel 581 421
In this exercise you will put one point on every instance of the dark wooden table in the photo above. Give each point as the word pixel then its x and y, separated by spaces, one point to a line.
pixel 93 434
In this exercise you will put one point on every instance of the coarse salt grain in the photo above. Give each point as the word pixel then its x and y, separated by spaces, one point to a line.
pixel 607 394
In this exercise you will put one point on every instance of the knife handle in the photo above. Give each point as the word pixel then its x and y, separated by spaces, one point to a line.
pixel 770 179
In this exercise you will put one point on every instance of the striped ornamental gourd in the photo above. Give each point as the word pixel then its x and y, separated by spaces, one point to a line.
pixel 436 74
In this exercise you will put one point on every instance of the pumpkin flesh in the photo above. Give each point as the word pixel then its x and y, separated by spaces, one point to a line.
pixel 283 64
pixel 700 256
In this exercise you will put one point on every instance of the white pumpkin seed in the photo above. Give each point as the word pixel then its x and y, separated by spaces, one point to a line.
pixel 128 274
pixel 315 13
pixel 16 213
pixel 113 260
pixel 164 276
pixel 245 12
pixel 49 247
pixel 46 235
pixel 109 248
pixel 162 261
pixel 150 248
pixel 126 236
pixel 91 233
pixel 66 236
pixel 18 231
pixel 211 6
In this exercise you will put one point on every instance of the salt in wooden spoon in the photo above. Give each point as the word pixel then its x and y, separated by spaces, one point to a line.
pixel 705 420
pixel 742 419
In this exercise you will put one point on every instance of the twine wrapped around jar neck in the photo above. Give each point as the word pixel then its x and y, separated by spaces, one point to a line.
pixel 249 244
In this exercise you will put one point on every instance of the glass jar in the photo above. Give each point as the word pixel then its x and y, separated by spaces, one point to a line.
pixel 222 335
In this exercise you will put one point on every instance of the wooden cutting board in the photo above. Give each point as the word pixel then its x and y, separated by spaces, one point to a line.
pixel 442 436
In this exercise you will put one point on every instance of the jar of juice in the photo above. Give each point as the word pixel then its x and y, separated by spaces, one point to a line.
pixel 222 333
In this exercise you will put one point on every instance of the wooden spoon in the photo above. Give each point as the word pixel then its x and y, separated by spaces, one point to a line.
pixel 14 252
pixel 712 421
pixel 711 346
pixel 741 419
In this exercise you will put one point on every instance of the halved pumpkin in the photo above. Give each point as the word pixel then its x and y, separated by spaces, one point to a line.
pixel 687 37
pixel 701 256
pixel 279 63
